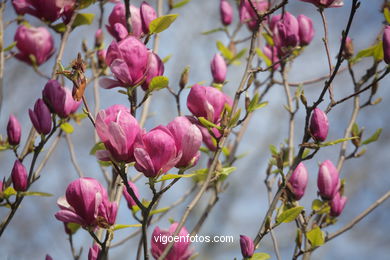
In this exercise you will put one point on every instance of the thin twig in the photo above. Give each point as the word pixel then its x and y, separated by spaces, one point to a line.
pixel 73 156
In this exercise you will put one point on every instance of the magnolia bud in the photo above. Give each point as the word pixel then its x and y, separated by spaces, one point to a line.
pixel 247 246
pixel 386 44
pixel 148 14
pixel 328 181
pixel 218 68
pixel 184 77
pixel 19 176
pixel 226 11
pixel 306 30
pixel 41 117
pixel 298 181
pixel 99 38
pixel 319 125
pixel 337 205
pixel 14 130
pixel 348 48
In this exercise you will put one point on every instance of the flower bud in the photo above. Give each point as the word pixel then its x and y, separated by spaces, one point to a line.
pixel 1 186
pixel 41 117
pixel 348 48
pixel 319 125
pixel 286 31
pixel 117 129
pixel 386 44
pixel 337 205
pixel 272 54
pixel 118 16
pixel 248 15
pixel 156 152
pixel 298 181
pixel 188 139
pixel 59 99
pixel 46 10
pixel 93 253
pixel 226 11
pixel 99 38
pixel 325 3
pixel 218 68
pixel 247 246
pixel 155 68
pixel 328 181
pixel 306 30
pixel 48 257
pixel 207 102
pixel 19 176
pixel 34 43
pixel 14 130
pixel 181 249
pixel 101 57
pixel 148 14
pixel 129 199
pixel 184 77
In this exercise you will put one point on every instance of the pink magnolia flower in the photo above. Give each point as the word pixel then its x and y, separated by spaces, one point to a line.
pixel 59 99
pixel 207 102
pixel 188 139
pixel 19 176
pixel 128 61
pixel 156 152
pixel 306 30
pixel 325 3
pixel 41 117
pixel 272 54
pixel 86 203
pixel 298 181
pixel 248 15
pixel 328 180
pixel 180 251
pixel 129 199
pixel 386 44
pixel 247 246
pixel 148 14
pixel 226 11
pixel 14 130
pixel 34 42
pixel 117 22
pixel 218 68
pixel 93 252
pixel 337 205
pixel 319 125
pixel 117 129
pixel 155 68
pixel 285 30
pixel 48 10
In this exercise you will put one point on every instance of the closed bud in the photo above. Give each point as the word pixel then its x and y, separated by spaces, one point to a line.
pixel 328 181
pixel 46 10
pixel 84 46
pixel 272 53
pixel 155 68
pixel 319 125
pixel 148 14
pixel 19 176
pixel 348 48
pixel 248 15
pixel 337 205
pixel 41 117
pixel 286 32
pixel 247 246
pixel 99 38
pixel 218 68
pixel 118 17
pixel 226 11
pixel 129 199
pixel 386 44
pixel 14 130
pixel 306 30
pixel 93 253
pixel 298 181
pixel 184 77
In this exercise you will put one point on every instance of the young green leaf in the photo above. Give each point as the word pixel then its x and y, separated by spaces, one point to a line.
pixel 158 83
pixel 213 31
pixel 162 23
pixel 67 128
pixel 10 47
pixel 207 123
pixel 83 19
pixel 180 4
pixel 36 193
pixel 121 226
pixel 374 137
pixel 174 176
pixel 289 215
pixel 98 146
pixel 264 57
pixel 260 256
pixel 224 51
pixel 337 141
pixel 156 211
pixel 316 237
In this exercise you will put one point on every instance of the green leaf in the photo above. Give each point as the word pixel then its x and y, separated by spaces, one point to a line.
pixel 60 27
pixel 273 150
pixel 122 226
pixel 207 123
pixel 268 38
pixel 386 14
pixel 67 128
pixel 158 83
pixel 73 227
pixel 10 47
pixel 355 129
pixel 378 51
pixel 213 31
pixel 289 215
pixel 36 193
pixel 156 211
pixel 227 170
pixel 162 23
pixel 337 141
pixel 374 137
pixel 264 57
pixel 375 51
pixel 305 153
pixel 316 237
pixel 98 146
pixel 85 3
pixel 237 57
pixel 235 118
pixel 224 51
pixel 83 19
pixel 316 205
pixel 260 256
pixel 180 4
pixel 174 176
pixel 8 192
pixel 166 59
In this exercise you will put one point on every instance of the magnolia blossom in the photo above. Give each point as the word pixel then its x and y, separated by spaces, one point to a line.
pixel 218 68
pixel 248 15
pixel 41 117
pixel 319 125
pixel 326 3
pixel 386 44
pixel 48 10
pixel 247 246
pixel 14 130
pixel 19 176
pixel 226 11
pixel 328 180
pixel 148 14
pixel 117 22
pixel 129 199
pixel 298 181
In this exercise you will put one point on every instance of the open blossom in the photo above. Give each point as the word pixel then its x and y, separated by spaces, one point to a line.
pixel 328 180
pixel 48 10
pixel 128 61
pixel 207 102
pixel 41 117
pixel 14 130
pixel 34 42
pixel 298 181
pixel 180 251
pixel 226 11
pixel 117 129
pixel 248 15
pixel 386 44
pixel 325 3
pixel 156 152
pixel 19 176
pixel 218 68
pixel 319 125
pixel 247 246
pixel 129 199
pixel 86 203
pixel 188 139
pixel 148 14
pixel 155 68
pixel 337 205
pixel 117 22
pixel 59 99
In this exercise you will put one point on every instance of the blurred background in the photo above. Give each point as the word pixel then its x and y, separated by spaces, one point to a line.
pixel 34 231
